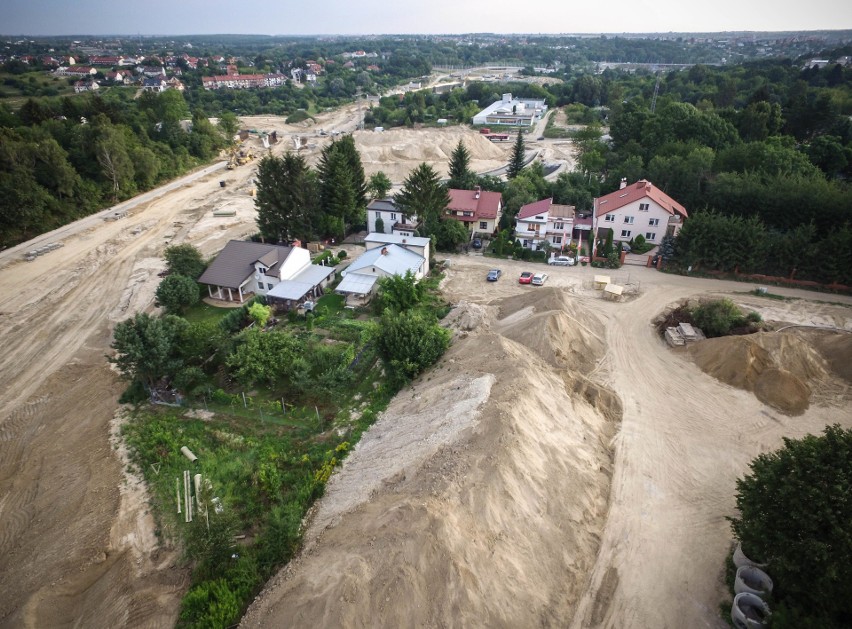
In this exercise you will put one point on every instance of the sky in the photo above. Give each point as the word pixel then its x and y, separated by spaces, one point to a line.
pixel 364 17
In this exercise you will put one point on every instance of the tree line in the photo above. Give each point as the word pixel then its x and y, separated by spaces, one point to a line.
pixel 62 159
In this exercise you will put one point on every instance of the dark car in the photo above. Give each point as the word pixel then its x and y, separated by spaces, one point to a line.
pixel 477 243
pixel 494 275
pixel 525 278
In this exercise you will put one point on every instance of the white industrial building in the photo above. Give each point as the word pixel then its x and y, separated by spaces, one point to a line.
pixel 515 112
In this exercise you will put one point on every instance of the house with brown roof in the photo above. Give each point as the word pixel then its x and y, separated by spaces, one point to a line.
pixel 85 86
pixel 640 208
pixel 544 223
pixel 478 210
pixel 284 274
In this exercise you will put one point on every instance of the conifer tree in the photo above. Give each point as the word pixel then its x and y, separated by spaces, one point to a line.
pixel 516 162
pixel 461 177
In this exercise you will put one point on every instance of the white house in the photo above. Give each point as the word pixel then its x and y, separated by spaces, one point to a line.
pixel 285 274
pixel 638 209
pixel 361 278
pixel 516 112
pixel 416 244
pixel 393 220
pixel 544 223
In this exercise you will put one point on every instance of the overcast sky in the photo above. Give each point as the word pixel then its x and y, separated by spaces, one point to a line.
pixel 361 17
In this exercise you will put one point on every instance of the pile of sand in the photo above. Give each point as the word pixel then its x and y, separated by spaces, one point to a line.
pixel 477 499
pixel 398 151
pixel 781 368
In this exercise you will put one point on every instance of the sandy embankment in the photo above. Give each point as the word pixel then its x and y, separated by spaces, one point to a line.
pixel 478 497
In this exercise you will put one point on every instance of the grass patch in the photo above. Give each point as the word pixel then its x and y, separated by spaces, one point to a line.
pixel 300 115
pixel 205 313
pixel 757 293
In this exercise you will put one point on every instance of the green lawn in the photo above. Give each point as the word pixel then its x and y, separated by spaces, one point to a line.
pixel 205 313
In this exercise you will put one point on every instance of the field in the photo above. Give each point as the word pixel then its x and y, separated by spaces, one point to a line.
pixel 557 457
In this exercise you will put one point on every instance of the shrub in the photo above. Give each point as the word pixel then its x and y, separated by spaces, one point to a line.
pixel 718 317
pixel 341 254
pixel 409 343
pixel 794 514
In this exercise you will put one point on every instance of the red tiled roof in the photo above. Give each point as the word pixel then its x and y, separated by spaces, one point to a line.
pixel 535 208
pixel 634 192
pixel 485 206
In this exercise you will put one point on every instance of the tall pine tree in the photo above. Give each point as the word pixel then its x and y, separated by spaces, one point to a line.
pixel 461 177
pixel 287 198
pixel 422 194
pixel 343 187
pixel 516 162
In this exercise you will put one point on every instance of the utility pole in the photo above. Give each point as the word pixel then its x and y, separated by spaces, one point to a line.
pixel 656 91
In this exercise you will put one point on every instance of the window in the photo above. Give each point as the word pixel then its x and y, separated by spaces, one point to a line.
pixel 393 216
pixel 559 226
pixel 609 218
pixel 526 243
pixel 557 240
pixel 628 220
pixel 269 286
pixel 625 233
pixel 653 222
pixel 650 235
pixel 643 207
pixel 483 225
pixel 378 214
pixel 261 270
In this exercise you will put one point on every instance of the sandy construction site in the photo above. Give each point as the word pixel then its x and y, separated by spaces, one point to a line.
pixel 559 466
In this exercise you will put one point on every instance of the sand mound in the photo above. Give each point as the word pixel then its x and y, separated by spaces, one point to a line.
pixel 782 390
pixel 551 325
pixel 477 499
pixel 466 317
pixel 836 350
pixel 398 151
pixel 781 368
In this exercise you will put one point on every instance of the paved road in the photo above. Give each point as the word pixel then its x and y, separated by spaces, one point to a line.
pixel 83 224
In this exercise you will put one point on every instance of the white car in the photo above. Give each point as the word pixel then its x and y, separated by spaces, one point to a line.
pixel 539 279
pixel 561 261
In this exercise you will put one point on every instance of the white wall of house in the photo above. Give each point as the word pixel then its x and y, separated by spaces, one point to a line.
pixel 643 217
pixel 298 260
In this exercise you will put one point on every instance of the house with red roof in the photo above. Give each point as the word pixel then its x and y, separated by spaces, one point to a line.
pixel 544 223
pixel 478 210
pixel 638 209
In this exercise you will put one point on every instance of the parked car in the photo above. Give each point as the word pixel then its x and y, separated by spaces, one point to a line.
pixel 625 247
pixel 477 243
pixel 494 275
pixel 539 279
pixel 561 261
pixel 526 278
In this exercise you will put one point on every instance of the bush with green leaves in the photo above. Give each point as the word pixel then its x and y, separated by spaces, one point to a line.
pixel 176 293
pixel 184 260
pixel 719 317
pixel 399 292
pixel 410 342
pixel 795 512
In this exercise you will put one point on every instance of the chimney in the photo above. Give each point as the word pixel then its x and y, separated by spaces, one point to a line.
pixel 384 251
pixel 478 189
pixel 623 183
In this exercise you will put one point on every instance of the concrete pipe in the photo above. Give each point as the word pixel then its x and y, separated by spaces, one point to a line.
pixel 754 581
pixel 188 454
pixel 741 560
pixel 749 611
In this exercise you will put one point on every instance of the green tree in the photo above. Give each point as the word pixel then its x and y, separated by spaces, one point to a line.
pixel 184 260
pixel 423 195
pixel 265 357
pixel 379 185
pixel 287 198
pixel 259 313
pixel 176 293
pixel 147 347
pixel 409 343
pixel 343 189
pixel 794 514
pixel 450 235
pixel 516 161
pixel 461 177
pixel 400 292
